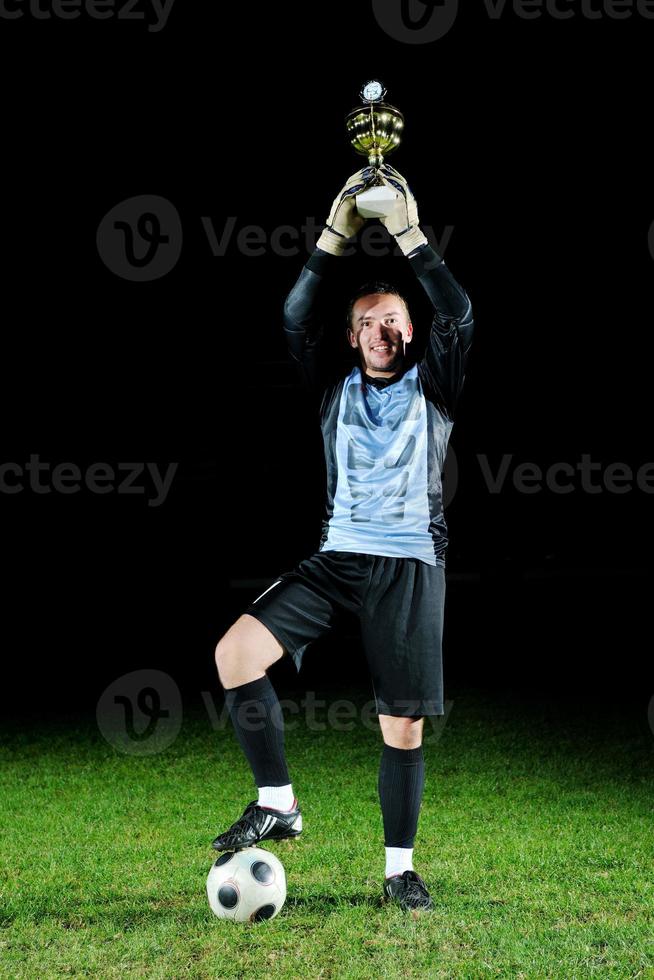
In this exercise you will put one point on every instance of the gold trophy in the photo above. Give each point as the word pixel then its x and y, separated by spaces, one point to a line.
pixel 375 130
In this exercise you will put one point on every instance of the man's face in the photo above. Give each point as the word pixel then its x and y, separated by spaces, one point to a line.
pixel 380 327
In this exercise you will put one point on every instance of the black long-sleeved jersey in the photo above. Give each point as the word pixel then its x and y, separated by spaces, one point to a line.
pixel 385 440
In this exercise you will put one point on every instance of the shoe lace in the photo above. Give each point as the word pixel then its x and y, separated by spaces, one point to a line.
pixel 245 822
pixel 416 890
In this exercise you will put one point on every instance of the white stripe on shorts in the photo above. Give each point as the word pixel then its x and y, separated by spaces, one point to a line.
pixel 267 590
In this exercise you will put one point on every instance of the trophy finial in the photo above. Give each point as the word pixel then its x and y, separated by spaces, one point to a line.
pixel 372 91
pixel 375 129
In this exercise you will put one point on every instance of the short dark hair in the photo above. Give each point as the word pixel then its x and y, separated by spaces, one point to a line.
pixel 376 286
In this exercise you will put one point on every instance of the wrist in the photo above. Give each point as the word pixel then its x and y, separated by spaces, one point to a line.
pixel 411 239
pixel 330 241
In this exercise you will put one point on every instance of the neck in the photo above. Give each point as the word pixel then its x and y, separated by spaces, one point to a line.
pixel 398 367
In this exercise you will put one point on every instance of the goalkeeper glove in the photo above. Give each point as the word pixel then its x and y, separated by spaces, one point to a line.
pixel 402 222
pixel 343 221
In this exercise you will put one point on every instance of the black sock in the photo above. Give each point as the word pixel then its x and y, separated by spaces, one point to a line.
pixel 401 782
pixel 259 725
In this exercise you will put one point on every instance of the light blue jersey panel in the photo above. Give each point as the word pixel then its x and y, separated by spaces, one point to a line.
pixel 381 505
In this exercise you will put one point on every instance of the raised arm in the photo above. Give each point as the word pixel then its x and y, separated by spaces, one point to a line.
pixel 442 369
pixel 302 325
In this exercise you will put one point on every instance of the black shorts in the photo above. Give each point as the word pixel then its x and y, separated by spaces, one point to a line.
pixel 399 603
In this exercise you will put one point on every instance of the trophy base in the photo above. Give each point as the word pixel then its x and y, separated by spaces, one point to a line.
pixel 376 202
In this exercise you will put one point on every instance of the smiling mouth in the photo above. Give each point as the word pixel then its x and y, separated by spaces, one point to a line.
pixel 382 350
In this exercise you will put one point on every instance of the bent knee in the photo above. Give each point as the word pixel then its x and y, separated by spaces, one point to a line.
pixel 233 646
pixel 226 650
pixel 401 733
pixel 245 651
pixel 231 662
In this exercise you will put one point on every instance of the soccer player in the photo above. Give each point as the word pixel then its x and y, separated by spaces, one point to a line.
pixel 386 427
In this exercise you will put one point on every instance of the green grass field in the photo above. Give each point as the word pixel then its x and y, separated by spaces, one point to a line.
pixel 536 839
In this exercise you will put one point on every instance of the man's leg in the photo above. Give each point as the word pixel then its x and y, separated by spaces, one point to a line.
pixel 401 783
pixel 243 655
pixel 402 627
pixel 300 607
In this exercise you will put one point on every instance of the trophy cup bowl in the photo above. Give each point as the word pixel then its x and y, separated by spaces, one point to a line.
pixel 375 130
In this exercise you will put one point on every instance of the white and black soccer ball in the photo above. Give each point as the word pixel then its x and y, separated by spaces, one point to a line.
pixel 247 885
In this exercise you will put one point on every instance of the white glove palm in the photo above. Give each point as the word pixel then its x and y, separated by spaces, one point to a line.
pixel 343 221
pixel 402 222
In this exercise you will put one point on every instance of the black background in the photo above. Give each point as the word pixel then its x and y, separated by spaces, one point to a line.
pixel 529 139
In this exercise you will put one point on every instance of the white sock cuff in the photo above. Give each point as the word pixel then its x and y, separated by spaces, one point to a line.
pixel 398 860
pixel 277 797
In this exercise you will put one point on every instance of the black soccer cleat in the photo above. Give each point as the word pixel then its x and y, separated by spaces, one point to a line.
pixel 408 890
pixel 260 823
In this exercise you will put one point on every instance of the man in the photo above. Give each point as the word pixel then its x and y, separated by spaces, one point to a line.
pixel 385 428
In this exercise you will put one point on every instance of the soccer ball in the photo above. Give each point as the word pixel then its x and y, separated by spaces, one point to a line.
pixel 247 885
